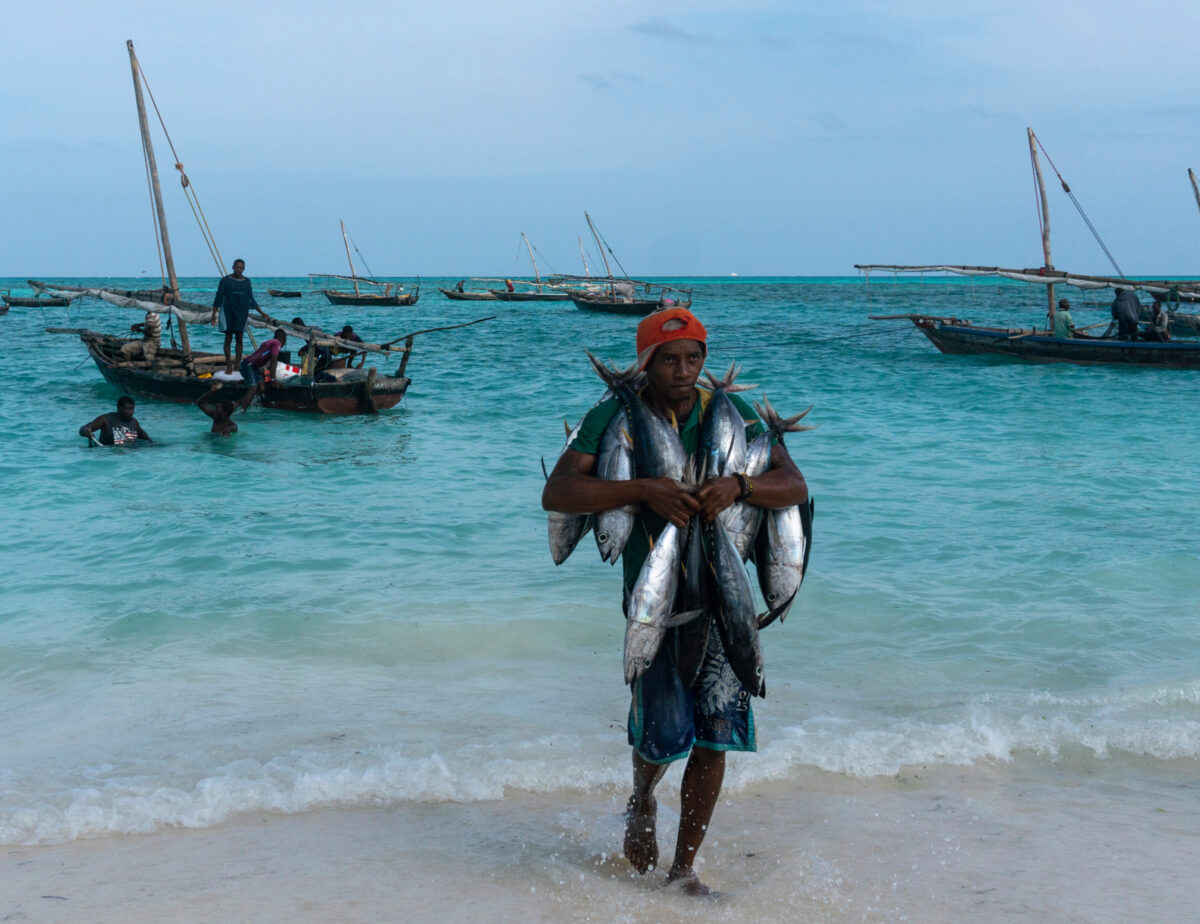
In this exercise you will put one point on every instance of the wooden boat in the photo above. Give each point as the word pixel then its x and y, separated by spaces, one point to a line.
pixel 467 295
pixel 179 374
pixel 524 291
pixel 615 295
pixel 284 293
pixel 393 293
pixel 961 337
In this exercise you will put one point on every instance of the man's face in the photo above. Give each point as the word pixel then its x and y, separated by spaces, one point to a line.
pixel 675 367
pixel 125 411
pixel 238 267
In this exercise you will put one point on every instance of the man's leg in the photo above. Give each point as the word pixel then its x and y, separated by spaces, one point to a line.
pixel 228 361
pixel 239 348
pixel 701 787
pixel 641 836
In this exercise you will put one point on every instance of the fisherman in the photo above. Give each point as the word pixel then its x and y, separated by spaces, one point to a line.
pixel 234 299
pixel 1125 311
pixel 509 284
pixel 147 347
pixel 253 365
pixel 117 429
pixel 347 333
pixel 1159 329
pixel 1064 324
pixel 667 721
pixel 459 287
pixel 221 412
pixel 322 356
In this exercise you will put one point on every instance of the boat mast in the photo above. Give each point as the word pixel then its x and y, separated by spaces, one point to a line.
pixel 531 260
pixel 598 244
pixel 1195 186
pixel 1037 172
pixel 346 241
pixel 144 125
pixel 583 257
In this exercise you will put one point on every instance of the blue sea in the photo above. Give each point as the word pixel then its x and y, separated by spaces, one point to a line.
pixel 326 613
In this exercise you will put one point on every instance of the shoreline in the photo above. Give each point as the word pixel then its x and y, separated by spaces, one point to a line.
pixel 1102 841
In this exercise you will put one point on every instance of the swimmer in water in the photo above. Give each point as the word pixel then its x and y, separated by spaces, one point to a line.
pixel 117 429
pixel 221 412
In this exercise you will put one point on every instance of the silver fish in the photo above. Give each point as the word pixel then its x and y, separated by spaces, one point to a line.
pixel 615 463
pixel 651 604
pixel 737 619
pixel 657 450
pixel 742 520
pixel 723 431
pixel 691 639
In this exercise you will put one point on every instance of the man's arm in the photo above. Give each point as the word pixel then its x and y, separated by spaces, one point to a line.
pixel 218 299
pixel 202 401
pixel 142 434
pixel 780 486
pixel 89 428
pixel 572 488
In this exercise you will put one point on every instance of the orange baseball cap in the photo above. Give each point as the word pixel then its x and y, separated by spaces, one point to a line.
pixel 665 326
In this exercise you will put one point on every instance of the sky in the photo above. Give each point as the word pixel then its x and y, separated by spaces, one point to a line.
pixel 704 137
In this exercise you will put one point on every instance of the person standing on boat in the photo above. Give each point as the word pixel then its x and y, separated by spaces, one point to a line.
pixel 459 287
pixel 252 367
pixel 235 298
pixel 1125 311
pixel 668 721
pixel 147 347
pixel 117 429
pixel 1064 324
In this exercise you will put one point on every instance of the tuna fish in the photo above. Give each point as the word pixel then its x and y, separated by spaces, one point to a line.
pixel 737 617
pixel 615 463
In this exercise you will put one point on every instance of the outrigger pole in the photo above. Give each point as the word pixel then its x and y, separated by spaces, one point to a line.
pixel 148 147
pixel 1049 265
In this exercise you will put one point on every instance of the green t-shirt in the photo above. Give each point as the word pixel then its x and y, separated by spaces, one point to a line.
pixel 1063 322
pixel 649 524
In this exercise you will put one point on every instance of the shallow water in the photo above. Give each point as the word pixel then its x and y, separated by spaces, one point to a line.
pixel 362 611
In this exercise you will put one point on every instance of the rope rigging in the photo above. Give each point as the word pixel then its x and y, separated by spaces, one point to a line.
pixel 1078 208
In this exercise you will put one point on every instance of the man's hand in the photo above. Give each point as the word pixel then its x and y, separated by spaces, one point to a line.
pixel 716 494
pixel 671 502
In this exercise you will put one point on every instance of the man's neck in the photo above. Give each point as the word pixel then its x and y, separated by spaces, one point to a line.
pixel 680 410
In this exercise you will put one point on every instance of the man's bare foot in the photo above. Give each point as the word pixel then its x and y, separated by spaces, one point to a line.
pixel 685 878
pixel 641 840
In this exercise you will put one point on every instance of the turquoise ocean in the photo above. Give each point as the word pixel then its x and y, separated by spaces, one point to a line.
pixel 362 611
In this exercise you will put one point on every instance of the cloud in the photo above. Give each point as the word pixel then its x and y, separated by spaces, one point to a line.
pixel 659 28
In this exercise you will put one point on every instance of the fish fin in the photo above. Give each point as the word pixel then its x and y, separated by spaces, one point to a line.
pixel 566 426
pixel 679 619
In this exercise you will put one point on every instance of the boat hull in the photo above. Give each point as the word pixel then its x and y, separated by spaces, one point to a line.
pixel 339 398
pixel 964 340
pixel 638 306
pixel 370 301
pixel 506 296
pixel 284 293
pixel 468 296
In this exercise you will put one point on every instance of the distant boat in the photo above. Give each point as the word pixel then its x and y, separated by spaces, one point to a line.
pixel 959 336
pixel 386 298
pixel 467 295
pixel 529 291
pixel 284 293
pixel 620 295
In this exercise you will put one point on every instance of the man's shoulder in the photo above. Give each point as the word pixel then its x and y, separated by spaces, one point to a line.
pixel 591 428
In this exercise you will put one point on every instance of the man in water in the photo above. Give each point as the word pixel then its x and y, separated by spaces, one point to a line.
pixel 234 299
pixel 1064 324
pixel 147 347
pixel 117 429
pixel 221 412
pixel 253 365
pixel 668 722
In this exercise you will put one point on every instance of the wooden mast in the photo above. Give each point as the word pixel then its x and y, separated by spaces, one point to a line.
pixel 1037 172
pixel 529 247
pixel 1195 186
pixel 598 244
pixel 583 257
pixel 144 125
pixel 346 241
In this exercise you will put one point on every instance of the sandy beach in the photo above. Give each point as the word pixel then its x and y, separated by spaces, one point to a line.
pixel 987 843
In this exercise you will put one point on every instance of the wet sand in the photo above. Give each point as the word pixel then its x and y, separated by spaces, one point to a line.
pixel 1094 841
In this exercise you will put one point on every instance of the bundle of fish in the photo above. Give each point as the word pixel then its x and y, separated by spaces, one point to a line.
pixel 695 577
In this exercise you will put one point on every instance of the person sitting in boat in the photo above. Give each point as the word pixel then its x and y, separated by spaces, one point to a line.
pixel 147 347
pixel 221 412
pixel 254 367
pixel 1125 311
pixel 1064 324
pixel 234 299
pixel 118 429
pixel 1159 328
pixel 322 356
pixel 347 333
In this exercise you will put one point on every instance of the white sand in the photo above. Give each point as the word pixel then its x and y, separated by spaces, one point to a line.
pixel 1099 841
